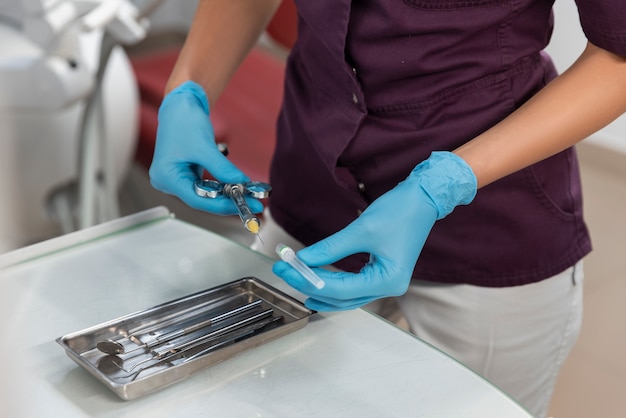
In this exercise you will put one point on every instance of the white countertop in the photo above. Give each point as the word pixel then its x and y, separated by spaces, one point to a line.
pixel 347 364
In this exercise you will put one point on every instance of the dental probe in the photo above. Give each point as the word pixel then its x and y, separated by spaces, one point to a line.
pixel 289 256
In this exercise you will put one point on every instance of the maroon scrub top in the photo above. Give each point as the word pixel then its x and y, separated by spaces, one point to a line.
pixel 373 87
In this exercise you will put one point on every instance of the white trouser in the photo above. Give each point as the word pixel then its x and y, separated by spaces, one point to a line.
pixel 516 337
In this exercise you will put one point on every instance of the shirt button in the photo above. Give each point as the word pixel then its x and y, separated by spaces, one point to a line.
pixel 361 187
pixel 354 70
pixel 359 212
pixel 354 98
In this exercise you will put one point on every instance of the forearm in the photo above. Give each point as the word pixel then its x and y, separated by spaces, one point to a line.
pixel 584 99
pixel 221 34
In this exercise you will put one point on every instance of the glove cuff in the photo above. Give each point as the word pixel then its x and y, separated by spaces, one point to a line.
pixel 447 180
pixel 189 88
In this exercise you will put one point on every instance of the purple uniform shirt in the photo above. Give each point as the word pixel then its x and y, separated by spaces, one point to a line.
pixel 372 87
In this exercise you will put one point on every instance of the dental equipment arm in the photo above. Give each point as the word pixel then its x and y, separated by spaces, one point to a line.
pixel 54 73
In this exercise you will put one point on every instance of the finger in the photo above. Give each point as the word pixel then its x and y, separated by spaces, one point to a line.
pixel 294 279
pixel 330 306
pixel 220 205
pixel 342 244
pixel 255 205
pixel 220 167
pixel 183 188
pixel 349 285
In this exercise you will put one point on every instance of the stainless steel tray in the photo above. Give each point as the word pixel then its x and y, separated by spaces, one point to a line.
pixel 171 341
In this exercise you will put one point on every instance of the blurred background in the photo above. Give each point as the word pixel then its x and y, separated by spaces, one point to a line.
pixel 80 86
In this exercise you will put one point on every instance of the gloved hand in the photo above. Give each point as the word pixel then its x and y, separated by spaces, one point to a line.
pixel 392 230
pixel 185 145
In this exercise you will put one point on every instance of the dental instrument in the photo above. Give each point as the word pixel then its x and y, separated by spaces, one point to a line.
pixel 115 347
pixel 237 193
pixel 161 353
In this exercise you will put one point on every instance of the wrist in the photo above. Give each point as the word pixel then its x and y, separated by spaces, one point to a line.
pixel 189 89
pixel 447 179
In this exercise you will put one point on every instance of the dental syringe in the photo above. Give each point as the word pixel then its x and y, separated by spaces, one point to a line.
pixel 237 192
pixel 249 219
pixel 289 256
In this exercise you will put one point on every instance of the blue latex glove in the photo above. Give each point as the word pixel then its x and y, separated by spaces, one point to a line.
pixel 393 230
pixel 185 145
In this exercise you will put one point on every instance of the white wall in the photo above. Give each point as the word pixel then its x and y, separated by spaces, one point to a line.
pixel 567 43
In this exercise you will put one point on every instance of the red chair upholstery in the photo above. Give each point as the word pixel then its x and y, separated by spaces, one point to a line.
pixel 245 115
pixel 284 25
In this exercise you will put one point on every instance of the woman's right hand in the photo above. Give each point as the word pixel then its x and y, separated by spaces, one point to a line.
pixel 185 146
